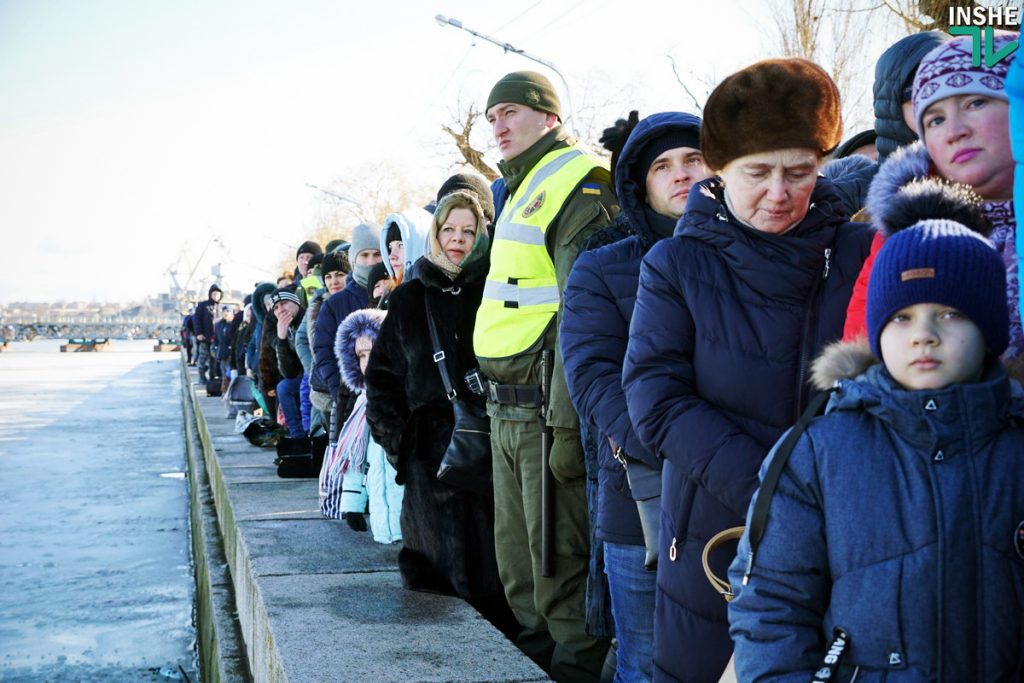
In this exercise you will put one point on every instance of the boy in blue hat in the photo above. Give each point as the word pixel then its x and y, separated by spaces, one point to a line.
pixel 894 541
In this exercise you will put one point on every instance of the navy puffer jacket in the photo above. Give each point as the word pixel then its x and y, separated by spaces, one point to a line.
pixel 914 555
pixel 325 376
pixel 598 305
pixel 727 319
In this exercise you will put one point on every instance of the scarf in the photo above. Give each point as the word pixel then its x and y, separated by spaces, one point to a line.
pixel 1003 237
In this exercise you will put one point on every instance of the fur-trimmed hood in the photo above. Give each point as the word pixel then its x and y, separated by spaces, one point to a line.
pixel 908 189
pixel 864 382
pixel 362 323
pixel 903 166
pixel 839 361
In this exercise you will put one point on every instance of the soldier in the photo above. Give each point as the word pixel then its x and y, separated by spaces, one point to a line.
pixel 559 193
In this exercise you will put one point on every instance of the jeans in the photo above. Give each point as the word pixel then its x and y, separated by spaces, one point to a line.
pixel 632 589
pixel 288 398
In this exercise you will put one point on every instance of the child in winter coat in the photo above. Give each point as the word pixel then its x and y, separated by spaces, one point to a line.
pixel 894 543
pixel 357 470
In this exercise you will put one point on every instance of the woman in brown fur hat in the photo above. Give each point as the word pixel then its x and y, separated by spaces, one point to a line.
pixel 729 313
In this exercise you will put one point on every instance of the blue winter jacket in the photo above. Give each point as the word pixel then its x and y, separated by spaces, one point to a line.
pixel 597 307
pixel 727 319
pixel 1015 90
pixel 896 519
pixel 325 375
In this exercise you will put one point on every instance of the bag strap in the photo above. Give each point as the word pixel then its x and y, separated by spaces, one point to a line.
pixel 759 515
pixel 439 356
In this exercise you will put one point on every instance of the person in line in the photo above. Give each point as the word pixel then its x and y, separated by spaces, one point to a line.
pixel 288 313
pixel 364 253
pixel 654 174
pixel 729 313
pixel 914 546
pixel 559 193
pixel 357 473
pixel 203 319
pixel 403 239
pixel 448 533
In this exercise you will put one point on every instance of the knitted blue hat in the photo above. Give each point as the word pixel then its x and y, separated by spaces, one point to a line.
pixel 940 262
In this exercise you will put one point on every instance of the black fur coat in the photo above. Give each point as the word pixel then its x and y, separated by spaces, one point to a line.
pixel 448 533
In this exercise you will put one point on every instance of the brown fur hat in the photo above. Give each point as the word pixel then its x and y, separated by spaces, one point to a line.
pixel 773 104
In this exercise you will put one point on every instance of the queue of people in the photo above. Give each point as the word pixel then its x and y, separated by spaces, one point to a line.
pixel 628 349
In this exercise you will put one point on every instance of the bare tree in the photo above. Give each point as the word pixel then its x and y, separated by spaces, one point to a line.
pixel 362 194
pixel 460 132
pixel 824 31
pixel 929 15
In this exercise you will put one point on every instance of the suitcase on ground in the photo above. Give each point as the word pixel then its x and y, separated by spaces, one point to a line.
pixel 213 387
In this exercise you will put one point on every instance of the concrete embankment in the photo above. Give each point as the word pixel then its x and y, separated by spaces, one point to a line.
pixel 286 595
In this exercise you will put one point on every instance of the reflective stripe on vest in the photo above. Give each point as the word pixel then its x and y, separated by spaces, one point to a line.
pixel 521 294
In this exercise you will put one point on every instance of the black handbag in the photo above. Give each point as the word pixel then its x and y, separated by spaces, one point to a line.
pixel 295 459
pixel 466 463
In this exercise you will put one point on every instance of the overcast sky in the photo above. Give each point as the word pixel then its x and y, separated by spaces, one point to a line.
pixel 133 131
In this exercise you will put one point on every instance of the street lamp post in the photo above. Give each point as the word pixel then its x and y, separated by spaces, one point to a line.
pixel 508 47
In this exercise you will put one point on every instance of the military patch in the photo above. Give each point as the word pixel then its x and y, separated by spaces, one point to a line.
pixel 532 96
pixel 591 188
pixel 535 205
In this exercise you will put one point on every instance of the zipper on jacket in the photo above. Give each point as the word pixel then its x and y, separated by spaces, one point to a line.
pixel 805 340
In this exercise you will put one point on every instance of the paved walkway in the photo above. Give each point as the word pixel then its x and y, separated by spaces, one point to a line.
pixel 319 602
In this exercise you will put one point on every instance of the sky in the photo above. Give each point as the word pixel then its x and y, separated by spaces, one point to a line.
pixel 137 136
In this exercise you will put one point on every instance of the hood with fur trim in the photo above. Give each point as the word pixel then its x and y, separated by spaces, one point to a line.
pixel 365 322
pixel 839 361
pixel 842 361
pixel 907 189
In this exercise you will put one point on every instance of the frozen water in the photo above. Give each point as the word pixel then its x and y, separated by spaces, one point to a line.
pixel 95 557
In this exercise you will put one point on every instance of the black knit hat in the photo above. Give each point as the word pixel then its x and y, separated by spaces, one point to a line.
pixel 865 137
pixel 771 105
pixel 308 247
pixel 529 88
pixel 336 260
pixel 474 183
pixel 658 145
pixel 378 272
pixel 940 262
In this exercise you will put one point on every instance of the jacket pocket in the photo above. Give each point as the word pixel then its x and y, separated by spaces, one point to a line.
pixel 676 521
pixel 866 602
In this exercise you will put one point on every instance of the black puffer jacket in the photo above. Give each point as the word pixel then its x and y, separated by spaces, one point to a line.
pixel 894 71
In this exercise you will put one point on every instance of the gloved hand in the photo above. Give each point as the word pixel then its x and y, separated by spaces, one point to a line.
pixel 355 520
pixel 234 373
pixel 566 459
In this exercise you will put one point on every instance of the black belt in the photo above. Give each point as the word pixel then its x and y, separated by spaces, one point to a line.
pixel 515 394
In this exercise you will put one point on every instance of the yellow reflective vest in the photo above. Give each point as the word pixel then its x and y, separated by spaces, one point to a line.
pixel 521 294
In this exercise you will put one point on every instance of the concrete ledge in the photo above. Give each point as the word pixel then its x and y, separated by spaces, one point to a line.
pixel 317 601
pixel 221 652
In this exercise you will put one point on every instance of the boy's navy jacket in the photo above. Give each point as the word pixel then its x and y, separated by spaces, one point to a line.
pixel 597 308
pixel 895 519
pixel 727 320
pixel 325 377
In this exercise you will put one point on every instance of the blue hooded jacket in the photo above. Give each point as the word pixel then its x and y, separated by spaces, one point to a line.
pixel 336 308
pixel 896 518
pixel 598 305
pixel 726 322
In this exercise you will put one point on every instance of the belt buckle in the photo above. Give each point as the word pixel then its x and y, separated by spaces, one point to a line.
pixel 492 391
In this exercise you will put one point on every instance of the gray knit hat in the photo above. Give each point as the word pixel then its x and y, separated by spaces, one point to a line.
pixel 364 236
pixel 529 88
